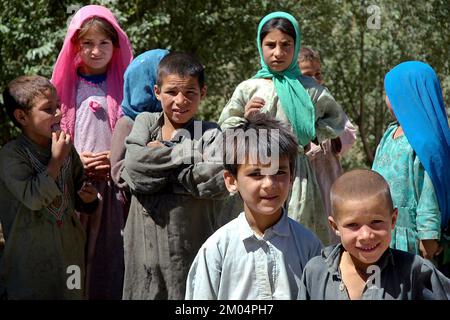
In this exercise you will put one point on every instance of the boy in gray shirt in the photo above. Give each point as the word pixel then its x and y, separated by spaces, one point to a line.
pixel 363 266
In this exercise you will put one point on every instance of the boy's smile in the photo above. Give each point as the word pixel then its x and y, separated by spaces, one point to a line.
pixel 180 98
pixel 365 228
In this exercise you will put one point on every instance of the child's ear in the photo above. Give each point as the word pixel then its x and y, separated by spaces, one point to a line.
pixel 203 92
pixel 333 225
pixel 157 92
pixel 21 117
pixel 230 182
pixel 394 218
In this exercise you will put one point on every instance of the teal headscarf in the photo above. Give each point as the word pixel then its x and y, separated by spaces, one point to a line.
pixel 296 102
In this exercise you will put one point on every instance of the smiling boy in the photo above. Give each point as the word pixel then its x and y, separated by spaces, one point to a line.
pixel 261 253
pixel 363 266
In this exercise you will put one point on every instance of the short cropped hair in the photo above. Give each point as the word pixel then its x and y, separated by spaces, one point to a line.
pixel 260 131
pixel 360 184
pixel 182 64
pixel 308 54
pixel 22 92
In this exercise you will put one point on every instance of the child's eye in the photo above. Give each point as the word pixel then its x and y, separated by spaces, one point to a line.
pixel 377 221
pixel 351 225
pixel 254 174
pixel 281 172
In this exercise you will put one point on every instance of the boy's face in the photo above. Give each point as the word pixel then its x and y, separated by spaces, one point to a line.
pixel 96 50
pixel 42 119
pixel 311 68
pixel 262 194
pixel 364 227
pixel 180 98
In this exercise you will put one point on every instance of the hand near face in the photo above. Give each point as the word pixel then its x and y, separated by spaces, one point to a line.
pixel 88 193
pixel 61 146
pixel 155 144
pixel 254 105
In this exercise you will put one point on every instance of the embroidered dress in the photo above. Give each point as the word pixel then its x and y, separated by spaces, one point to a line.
pixel 104 243
pixel 44 236
pixel 412 192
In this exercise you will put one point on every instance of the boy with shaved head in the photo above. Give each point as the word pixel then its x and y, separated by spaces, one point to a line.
pixel 363 266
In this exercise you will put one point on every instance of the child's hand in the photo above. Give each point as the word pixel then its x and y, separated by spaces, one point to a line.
pixel 61 146
pixel 96 165
pixel 88 193
pixel 155 144
pixel 60 149
pixel 429 248
pixel 254 105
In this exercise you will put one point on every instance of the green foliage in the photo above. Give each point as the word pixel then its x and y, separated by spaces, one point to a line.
pixel 222 34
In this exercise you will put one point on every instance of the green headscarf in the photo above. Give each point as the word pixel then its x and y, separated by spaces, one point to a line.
pixel 296 103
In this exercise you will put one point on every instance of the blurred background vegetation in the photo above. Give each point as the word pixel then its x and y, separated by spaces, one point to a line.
pixel 359 41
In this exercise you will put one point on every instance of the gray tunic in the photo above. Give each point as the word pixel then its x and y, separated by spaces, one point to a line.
pixel 174 205
pixel 44 236
pixel 403 276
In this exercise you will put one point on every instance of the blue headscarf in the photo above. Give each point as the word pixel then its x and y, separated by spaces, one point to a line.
pixel 415 95
pixel 139 80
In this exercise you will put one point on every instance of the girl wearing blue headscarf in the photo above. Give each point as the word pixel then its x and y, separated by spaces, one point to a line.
pixel 138 96
pixel 414 155
pixel 279 89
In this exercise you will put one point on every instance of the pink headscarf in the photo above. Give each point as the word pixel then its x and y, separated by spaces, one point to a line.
pixel 65 77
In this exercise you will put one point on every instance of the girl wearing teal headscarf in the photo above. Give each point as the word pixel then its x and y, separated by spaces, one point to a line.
pixel 279 89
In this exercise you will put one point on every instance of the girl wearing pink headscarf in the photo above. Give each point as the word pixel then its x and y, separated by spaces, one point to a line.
pixel 88 76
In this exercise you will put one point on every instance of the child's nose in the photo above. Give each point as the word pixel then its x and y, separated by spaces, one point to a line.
pixel 95 49
pixel 268 181
pixel 366 233
pixel 180 99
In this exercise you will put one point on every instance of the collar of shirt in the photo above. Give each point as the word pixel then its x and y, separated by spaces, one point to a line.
pixel 332 256
pixel 281 228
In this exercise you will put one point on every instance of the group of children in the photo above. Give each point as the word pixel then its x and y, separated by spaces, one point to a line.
pixel 115 191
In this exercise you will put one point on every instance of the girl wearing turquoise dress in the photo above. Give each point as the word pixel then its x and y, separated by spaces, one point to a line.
pixel 412 156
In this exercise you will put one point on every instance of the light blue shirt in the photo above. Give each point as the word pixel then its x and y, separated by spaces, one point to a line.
pixel 236 264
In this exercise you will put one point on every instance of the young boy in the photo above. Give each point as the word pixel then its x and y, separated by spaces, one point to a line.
pixel 363 266
pixel 261 253
pixel 175 195
pixel 40 174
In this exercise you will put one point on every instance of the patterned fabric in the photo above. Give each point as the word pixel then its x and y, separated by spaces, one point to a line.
pixel 92 130
pixel 412 192
pixel 39 250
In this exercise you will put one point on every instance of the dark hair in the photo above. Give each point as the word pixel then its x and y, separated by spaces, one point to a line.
pixel 101 24
pixel 182 64
pixel 359 184
pixel 308 54
pixel 282 24
pixel 22 92
pixel 256 136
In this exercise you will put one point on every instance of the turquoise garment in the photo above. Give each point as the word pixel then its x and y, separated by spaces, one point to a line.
pixel 415 94
pixel 295 100
pixel 412 192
